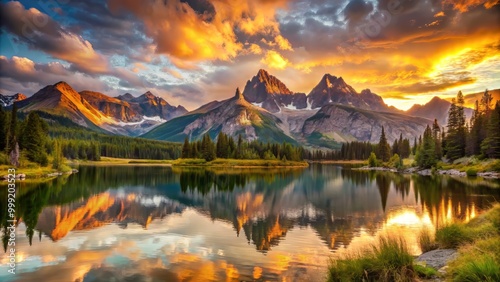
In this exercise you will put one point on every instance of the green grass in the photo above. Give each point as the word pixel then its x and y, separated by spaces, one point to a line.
pixel 478 262
pixel 479 254
pixel 452 236
pixel 426 241
pixel 238 163
pixel 472 164
pixel 471 172
pixel 390 260
pixel 478 243
pixel 425 271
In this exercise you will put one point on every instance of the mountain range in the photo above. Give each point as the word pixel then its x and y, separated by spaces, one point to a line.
pixel 267 110
pixel 6 101
pixel 120 115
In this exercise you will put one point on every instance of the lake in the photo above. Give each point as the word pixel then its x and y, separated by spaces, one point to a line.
pixel 153 223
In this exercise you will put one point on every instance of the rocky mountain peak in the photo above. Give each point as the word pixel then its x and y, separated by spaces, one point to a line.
pixel 6 100
pixel 19 96
pixel 272 94
pixel 238 95
pixel 149 95
pixel 62 85
pixel 126 97
pixel 436 99
pixel 328 80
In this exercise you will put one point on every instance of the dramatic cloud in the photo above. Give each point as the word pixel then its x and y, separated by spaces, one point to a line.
pixel 26 76
pixel 40 32
pixel 194 51
pixel 465 5
pixel 274 60
pixel 202 30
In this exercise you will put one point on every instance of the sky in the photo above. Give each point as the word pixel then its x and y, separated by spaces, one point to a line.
pixel 191 52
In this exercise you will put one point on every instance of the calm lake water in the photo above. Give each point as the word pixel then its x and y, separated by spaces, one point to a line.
pixel 144 223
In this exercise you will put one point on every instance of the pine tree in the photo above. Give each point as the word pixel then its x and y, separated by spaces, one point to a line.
pixel 436 136
pixel 3 129
pixel 426 154
pixel 239 149
pixel 186 149
pixel 475 132
pixel 490 147
pixel 456 136
pixel 57 154
pixel 208 148
pixel 414 148
pixel 222 147
pixel 35 137
pixel 395 147
pixel 384 150
pixel 12 130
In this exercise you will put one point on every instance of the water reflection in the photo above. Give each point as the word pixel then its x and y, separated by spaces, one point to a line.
pixel 183 223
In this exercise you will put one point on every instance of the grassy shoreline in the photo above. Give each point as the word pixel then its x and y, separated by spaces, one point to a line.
pixel 477 243
pixel 236 163
pixel 33 171
pixel 341 162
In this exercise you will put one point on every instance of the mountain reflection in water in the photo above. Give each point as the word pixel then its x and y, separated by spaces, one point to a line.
pixel 164 224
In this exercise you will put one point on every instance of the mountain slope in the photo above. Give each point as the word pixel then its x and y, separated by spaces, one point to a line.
pixel 271 94
pixel 152 106
pixel 6 100
pixel 111 107
pixel 233 116
pixel 61 99
pixel 332 89
pixel 436 108
pixel 343 123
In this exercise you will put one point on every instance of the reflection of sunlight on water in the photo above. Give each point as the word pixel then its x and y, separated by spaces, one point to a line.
pixel 283 232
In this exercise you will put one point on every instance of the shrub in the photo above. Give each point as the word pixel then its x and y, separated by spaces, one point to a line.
pixel 494 217
pixel 372 160
pixel 471 172
pixel 396 161
pixel 4 159
pixel 482 267
pixel 426 241
pixel 452 236
pixel 425 271
pixel 389 261
pixel 64 168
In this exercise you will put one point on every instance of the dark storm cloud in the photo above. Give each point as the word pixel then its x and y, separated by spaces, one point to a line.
pixel 203 7
pixel 120 34
pixel 357 10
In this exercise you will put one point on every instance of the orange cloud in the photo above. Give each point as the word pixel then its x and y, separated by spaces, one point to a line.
pixel 275 60
pixel 440 14
pixel 283 43
pixel 255 49
pixel 465 5
pixel 185 34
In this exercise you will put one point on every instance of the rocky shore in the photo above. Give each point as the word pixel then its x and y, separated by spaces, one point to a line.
pixel 429 172
pixel 22 176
